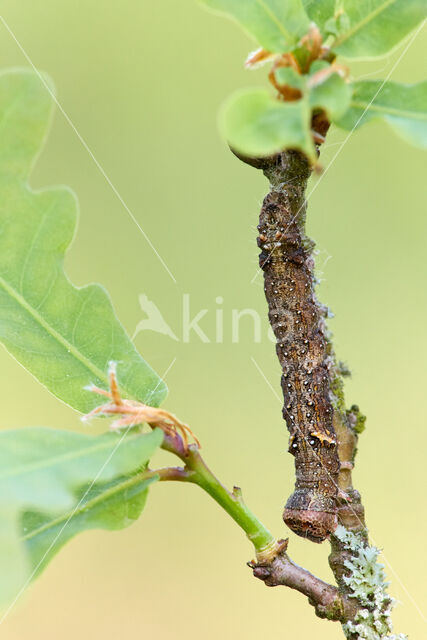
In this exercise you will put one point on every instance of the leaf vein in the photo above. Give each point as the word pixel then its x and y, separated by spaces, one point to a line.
pixel 275 20
pixel 52 462
pixel 417 115
pixel 101 375
pixel 362 23
pixel 102 496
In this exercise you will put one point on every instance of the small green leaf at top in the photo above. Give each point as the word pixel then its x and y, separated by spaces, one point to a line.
pixel 320 11
pixel 329 92
pixel 276 25
pixel 55 484
pixel 402 106
pixel 372 28
pixel 64 335
pixel 256 125
pixel 288 76
pixel 324 88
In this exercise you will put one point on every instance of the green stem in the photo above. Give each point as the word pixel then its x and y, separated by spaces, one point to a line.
pixel 273 566
pixel 197 472
pixel 263 541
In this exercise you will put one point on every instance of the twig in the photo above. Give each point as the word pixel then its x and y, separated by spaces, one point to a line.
pixel 272 565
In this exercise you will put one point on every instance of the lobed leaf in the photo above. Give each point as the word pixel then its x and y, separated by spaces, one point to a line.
pixel 402 106
pixel 55 484
pixel 276 25
pixel 64 335
pixel 256 125
pixel 372 28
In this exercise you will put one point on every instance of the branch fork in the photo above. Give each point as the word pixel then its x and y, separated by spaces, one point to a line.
pixel 272 565
pixel 327 600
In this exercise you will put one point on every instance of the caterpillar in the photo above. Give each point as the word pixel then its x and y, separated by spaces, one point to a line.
pixel 298 322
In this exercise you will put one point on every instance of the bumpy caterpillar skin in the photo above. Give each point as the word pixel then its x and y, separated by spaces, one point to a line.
pixel 298 322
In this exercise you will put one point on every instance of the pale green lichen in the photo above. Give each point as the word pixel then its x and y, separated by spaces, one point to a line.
pixel 366 582
pixel 360 420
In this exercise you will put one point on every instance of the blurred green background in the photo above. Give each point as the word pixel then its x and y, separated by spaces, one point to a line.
pixel 142 82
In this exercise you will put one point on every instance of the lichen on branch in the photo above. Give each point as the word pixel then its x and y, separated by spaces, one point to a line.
pixel 367 585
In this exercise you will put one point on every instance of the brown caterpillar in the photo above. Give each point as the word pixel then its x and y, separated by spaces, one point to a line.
pixel 298 322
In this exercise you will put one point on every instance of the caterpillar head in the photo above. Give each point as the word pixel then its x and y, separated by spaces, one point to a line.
pixel 311 515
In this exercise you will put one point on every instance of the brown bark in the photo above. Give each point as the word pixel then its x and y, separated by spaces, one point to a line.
pixel 327 600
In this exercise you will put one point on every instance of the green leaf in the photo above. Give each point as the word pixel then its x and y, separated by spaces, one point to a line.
pixel 323 88
pixel 331 93
pixel 64 335
pixel 288 75
pixel 320 11
pixel 55 484
pixel 110 506
pixel 374 27
pixel 276 25
pixel 402 106
pixel 257 125
pixel 38 466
